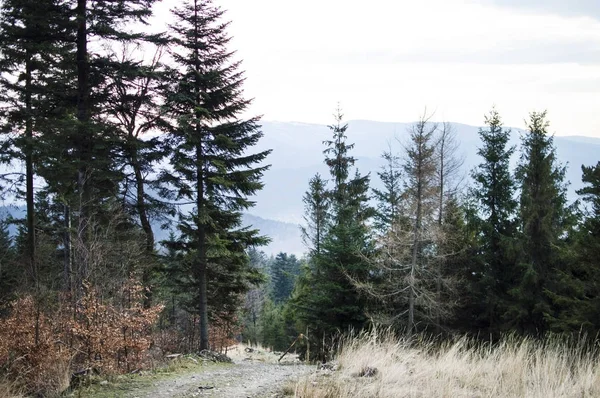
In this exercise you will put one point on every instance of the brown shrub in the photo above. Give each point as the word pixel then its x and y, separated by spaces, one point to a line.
pixel 113 338
pixel 31 351
pixel 39 350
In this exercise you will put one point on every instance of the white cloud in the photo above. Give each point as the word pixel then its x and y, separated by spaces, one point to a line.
pixel 387 60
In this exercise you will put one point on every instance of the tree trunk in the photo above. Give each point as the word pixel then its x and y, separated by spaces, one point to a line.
pixel 146 227
pixel 202 255
pixel 29 171
pixel 202 258
pixel 68 258
pixel 438 281
pixel 83 140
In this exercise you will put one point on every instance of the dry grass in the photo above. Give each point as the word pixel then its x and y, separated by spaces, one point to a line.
pixel 513 368
pixel 9 389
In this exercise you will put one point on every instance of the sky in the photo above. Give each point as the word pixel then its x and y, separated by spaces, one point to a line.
pixel 393 60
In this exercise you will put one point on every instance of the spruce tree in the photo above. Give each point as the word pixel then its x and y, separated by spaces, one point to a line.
pixel 545 220
pixel 211 164
pixel 584 304
pixel 575 291
pixel 10 273
pixel 328 300
pixel 316 215
pixel 32 39
pixel 494 191
pixel 388 198
pixel 284 270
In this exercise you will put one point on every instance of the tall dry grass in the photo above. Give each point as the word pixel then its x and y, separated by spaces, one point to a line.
pixel 9 389
pixel 511 368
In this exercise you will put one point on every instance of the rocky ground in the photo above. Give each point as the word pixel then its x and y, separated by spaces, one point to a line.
pixel 247 379
pixel 253 373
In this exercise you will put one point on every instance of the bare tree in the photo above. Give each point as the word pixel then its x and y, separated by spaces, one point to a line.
pixel 449 180
pixel 405 269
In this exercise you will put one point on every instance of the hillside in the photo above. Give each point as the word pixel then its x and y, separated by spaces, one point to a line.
pixel 298 155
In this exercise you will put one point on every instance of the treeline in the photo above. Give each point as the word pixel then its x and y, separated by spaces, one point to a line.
pixel 438 253
pixel 107 131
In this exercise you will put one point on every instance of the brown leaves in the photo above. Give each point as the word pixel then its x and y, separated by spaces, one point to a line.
pixel 39 348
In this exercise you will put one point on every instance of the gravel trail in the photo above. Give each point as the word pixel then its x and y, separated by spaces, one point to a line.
pixel 241 380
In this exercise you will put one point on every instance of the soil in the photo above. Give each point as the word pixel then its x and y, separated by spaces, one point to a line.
pixel 255 373
pixel 239 380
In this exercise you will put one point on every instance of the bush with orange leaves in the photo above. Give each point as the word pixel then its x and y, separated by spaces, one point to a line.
pixel 112 337
pixel 34 358
pixel 222 332
pixel 40 350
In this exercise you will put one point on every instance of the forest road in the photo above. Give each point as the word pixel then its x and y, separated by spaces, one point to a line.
pixel 241 380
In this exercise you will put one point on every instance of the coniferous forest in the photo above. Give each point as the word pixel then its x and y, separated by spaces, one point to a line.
pixel 109 133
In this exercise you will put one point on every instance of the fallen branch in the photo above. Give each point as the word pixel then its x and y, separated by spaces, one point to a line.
pixel 301 336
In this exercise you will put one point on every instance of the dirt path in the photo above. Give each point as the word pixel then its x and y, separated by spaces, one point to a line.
pixel 246 379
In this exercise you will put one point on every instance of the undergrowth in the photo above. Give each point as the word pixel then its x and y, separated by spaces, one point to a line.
pixel 463 368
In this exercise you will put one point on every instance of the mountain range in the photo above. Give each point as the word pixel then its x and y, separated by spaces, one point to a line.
pixel 298 154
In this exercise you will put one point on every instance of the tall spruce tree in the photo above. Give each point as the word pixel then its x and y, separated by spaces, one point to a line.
pixel 327 300
pixel 545 219
pixel 494 190
pixel 316 215
pixel 583 305
pixel 211 166
pixel 32 39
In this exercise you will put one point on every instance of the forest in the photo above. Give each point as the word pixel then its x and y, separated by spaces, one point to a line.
pixel 108 133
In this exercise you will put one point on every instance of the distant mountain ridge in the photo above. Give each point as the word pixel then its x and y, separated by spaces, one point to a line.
pixel 285 237
pixel 298 154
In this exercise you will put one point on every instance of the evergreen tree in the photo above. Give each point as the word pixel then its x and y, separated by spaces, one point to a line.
pixel 494 191
pixel 388 198
pixel 284 270
pixel 316 215
pixel 327 299
pixel 545 219
pixel 211 166
pixel 32 35
pixel 9 271
pixel 136 89
pixel 583 307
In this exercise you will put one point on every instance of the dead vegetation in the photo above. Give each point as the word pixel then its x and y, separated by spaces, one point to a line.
pixel 43 353
pixel 375 366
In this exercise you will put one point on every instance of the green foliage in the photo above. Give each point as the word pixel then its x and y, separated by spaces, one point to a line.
pixel 9 269
pixel 273 329
pixel 316 214
pixel 494 190
pixel 326 299
pixel 210 165
pixel 388 198
pixel 284 270
pixel 545 222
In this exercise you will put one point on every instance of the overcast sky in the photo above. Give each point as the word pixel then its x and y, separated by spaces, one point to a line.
pixel 387 60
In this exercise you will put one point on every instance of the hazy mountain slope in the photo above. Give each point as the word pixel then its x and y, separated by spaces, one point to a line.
pixel 298 155
pixel 285 237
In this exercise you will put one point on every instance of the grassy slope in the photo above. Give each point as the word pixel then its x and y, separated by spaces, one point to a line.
pixel 511 368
